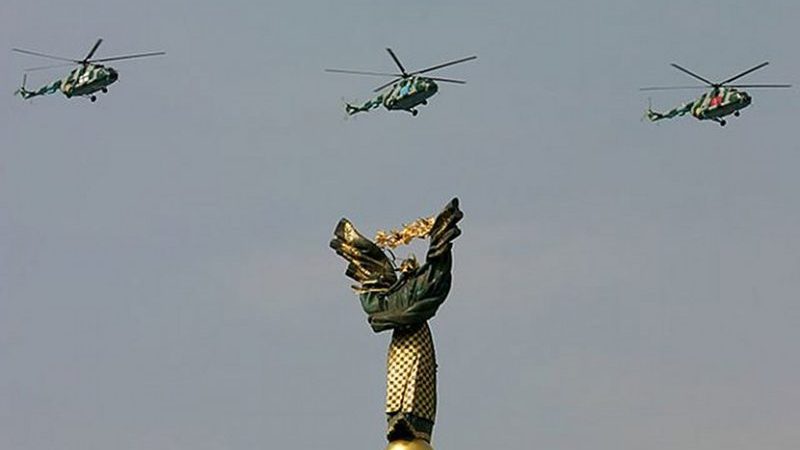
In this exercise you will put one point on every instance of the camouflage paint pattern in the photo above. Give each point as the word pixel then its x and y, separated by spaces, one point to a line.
pixel 82 81
pixel 403 95
pixel 44 90
pixel 713 105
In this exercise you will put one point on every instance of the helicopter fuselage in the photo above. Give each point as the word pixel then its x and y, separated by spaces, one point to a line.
pixel 720 102
pixel 406 91
pixel 409 92
pixel 83 81
pixel 88 79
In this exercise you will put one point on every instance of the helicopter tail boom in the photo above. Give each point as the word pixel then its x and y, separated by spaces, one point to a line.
pixel 368 105
pixel 655 116
pixel 44 90
pixel 350 109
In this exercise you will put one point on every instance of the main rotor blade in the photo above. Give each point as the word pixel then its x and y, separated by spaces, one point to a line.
pixel 670 88
pixel 689 72
pixel 759 85
pixel 28 52
pixel 439 66
pixel 397 61
pixel 360 72
pixel 52 66
pixel 94 49
pixel 745 73
pixel 447 80
pixel 117 58
pixel 385 85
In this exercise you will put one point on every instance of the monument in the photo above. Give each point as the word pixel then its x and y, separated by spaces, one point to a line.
pixel 402 298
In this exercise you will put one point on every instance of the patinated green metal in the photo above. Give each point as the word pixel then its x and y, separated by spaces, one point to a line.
pixel 404 303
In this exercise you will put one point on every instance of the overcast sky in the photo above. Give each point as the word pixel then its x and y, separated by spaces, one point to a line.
pixel 165 276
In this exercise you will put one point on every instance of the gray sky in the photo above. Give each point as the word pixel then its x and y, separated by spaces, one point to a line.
pixel 165 280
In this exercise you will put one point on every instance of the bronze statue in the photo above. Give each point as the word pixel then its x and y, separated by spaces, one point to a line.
pixel 402 298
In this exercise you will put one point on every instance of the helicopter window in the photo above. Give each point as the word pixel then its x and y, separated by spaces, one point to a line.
pixel 405 87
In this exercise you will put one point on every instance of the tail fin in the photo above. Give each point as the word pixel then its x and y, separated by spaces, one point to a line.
pixel 22 91
pixel 350 109
pixel 651 115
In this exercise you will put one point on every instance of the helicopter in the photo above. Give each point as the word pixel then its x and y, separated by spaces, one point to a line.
pixel 722 100
pixel 406 90
pixel 83 81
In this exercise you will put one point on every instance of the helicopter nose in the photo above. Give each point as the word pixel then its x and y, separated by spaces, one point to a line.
pixel 746 99
pixel 432 87
pixel 112 74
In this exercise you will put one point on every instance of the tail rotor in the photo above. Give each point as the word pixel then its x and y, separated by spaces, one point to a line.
pixel 649 114
pixel 22 91
pixel 345 105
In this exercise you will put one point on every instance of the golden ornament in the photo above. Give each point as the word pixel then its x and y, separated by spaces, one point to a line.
pixel 416 444
pixel 419 228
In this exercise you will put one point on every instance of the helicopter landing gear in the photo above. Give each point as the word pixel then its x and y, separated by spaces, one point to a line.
pixel 104 90
pixel 722 123
pixel 736 114
pixel 414 112
pixel 424 102
pixel 93 98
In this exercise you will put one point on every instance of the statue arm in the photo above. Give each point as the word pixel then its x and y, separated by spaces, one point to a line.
pixel 417 296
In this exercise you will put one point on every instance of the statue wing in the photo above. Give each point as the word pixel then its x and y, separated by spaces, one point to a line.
pixel 368 265
pixel 444 231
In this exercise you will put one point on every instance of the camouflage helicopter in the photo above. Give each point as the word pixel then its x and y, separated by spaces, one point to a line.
pixel 84 81
pixel 406 90
pixel 722 100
